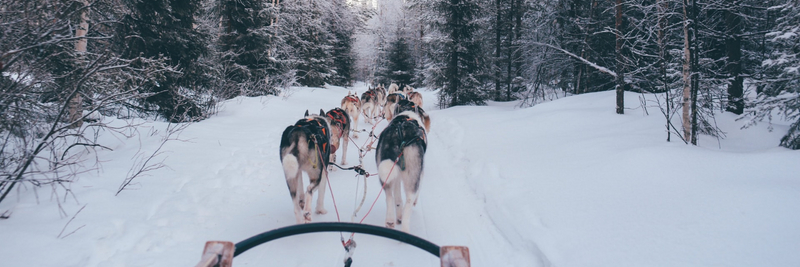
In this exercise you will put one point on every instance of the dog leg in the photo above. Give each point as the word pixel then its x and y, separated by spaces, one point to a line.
pixel 294 181
pixel 411 197
pixel 398 202
pixel 355 123
pixel 384 169
pixel 333 159
pixel 390 213
pixel 321 192
pixel 344 148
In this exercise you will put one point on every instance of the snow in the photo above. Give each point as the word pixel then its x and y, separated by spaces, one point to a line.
pixel 564 183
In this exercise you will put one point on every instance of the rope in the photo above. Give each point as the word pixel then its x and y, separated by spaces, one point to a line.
pixel 329 184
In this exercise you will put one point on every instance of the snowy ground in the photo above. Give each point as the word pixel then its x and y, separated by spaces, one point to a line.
pixel 565 183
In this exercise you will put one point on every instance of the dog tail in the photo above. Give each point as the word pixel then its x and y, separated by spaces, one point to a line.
pixel 290 164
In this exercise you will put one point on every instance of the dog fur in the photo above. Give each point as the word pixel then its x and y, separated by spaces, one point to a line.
pixel 369 105
pixel 391 100
pixel 407 89
pixel 380 92
pixel 406 105
pixel 415 97
pixel 340 127
pixel 305 148
pixel 393 88
pixel 352 105
pixel 400 156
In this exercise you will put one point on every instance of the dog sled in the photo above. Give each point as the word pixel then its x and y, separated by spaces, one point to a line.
pixel 221 253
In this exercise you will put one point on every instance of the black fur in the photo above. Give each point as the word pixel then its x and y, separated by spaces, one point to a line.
pixel 401 133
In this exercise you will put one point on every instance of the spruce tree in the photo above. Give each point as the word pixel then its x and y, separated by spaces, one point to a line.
pixel 781 92
pixel 343 32
pixel 165 28
pixel 455 62
pixel 245 40
pixel 400 64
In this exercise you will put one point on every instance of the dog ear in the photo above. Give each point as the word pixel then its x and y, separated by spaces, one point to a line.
pixel 321 112
pixel 306 114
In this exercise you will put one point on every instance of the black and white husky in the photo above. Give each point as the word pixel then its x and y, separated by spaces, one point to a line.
pixel 400 154
pixel 305 147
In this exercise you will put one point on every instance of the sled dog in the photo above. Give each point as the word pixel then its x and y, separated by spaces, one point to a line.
pixel 380 92
pixel 305 148
pixel 415 97
pixel 406 105
pixel 340 127
pixel 352 105
pixel 407 89
pixel 369 105
pixel 393 88
pixel 391 100
pixel 400 154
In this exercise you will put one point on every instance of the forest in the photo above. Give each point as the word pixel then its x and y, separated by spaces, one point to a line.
pixel 66 62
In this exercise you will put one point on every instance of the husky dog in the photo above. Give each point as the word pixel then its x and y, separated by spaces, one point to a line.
pixel 380 92
pixel 400 154
pixel 415 97
pixel 391 100
pixel 305 148
pixel 352 105
pixel 393 88
pixel 369 104
pixel 407 89
pixel 340 126
pixel 406 105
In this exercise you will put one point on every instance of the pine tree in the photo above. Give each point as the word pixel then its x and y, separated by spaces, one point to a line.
pixel 781 92
pixel 343 28
pixel 165 28
pixel 455 62
pixel 244 43
pixel 400 65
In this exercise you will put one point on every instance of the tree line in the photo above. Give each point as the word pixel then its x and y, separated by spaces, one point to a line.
pixel 67 63
pixel 696 58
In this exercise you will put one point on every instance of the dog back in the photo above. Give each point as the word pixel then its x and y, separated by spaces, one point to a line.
pixel 369 97
pixel 406 105
pixel 403 131
pixel 340 124
pixel 311 132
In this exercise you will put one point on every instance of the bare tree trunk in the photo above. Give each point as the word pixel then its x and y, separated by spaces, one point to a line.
pixel 733 48
pixel 620 79
pixel 497 45
pixel 689 85
pixel 662 56
pixel 75 103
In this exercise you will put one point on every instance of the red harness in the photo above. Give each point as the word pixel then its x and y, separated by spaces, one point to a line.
pixel 337 117
pixel 352 98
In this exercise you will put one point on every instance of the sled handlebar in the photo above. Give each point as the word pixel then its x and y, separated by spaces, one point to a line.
pixel 221 253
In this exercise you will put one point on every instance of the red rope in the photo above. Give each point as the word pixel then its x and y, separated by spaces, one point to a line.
pixel 330 189
pixel 383 187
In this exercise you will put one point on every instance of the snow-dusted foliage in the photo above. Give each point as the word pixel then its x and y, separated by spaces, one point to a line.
pixel 780 94
pixel 454 60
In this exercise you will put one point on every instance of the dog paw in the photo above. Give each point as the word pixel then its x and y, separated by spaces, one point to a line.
pixel 321 211
pixel 399 221
pixel 307 217
pixel 331 168
pixel 390 225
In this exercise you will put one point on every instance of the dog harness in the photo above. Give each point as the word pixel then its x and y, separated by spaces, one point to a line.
pixel 313 127
pixel 338 118
pixel 401 96
pixel 353 98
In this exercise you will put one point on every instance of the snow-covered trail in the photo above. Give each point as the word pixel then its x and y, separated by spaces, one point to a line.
pixel 565 183
pixel 449 213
